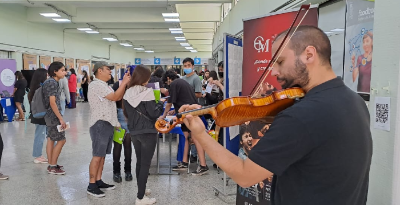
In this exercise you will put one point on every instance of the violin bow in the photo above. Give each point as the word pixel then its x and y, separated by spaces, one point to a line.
pixel 278 53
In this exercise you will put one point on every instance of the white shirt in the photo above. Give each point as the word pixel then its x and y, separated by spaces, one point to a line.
pixel 101 108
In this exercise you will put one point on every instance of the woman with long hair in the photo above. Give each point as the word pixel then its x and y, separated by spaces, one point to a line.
pixel 39 76
pixel 142 112
pixel 85 85
pixel 72 87
pixel 19 93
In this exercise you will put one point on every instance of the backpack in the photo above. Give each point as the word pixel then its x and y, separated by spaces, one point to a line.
pixel 38 106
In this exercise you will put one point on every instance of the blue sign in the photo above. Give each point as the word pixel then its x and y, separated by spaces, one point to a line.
pixel 177 61
pixel 157 61
pixel 197 61
pixel 138 61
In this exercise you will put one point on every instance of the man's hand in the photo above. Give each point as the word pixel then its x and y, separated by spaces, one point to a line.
pixel 171 112
pixel 194 123
pixel 63 125
pixel 126 79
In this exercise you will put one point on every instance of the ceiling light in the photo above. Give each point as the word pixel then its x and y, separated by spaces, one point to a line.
pixel 328 33
pixel 149 51
pixel 193 51
pixel 139 49
pixel 185 44
pixel 179 36
pixel 180 39
pixel 176 32
pixel 125 44
pixel 175 29
pixel 189 48
pixel 62 20
pixel 84 29
pixel 170 14
pixel 92 32
pixel 338 30
pixel 110 39
pixel 171 20
pixel 50 15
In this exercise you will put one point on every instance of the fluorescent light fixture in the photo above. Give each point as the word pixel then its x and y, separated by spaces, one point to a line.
pixel 50 15
pixel 62 20
pixel 176 32
pixel 180 39
pixel 92 32
pixel 84 29
pixel 110 39
pixel 185 44
pixel 327 33
pixel 139 49
pixel 170 14
pixel 126 44
pixel 171 20
pixel 175 29
pixel 338 30
pixel 193 51
pixel 149 51
pixel 189 48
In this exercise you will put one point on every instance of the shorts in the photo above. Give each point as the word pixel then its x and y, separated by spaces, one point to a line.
pixel 102 133
pixel 184 128
pixel 122 120
pixel 54 134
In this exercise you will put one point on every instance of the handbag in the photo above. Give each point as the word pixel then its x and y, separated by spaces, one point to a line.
pixel 119 135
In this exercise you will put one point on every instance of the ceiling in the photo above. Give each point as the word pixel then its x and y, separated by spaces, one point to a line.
pixel 139 23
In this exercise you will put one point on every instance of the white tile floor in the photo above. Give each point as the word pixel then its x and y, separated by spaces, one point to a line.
pixel 29 183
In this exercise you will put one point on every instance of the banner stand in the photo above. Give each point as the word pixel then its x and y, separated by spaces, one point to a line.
pixel 232 69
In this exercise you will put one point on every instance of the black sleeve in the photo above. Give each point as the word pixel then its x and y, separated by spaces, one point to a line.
pixel 17 84
pixel 155 110
pixel 286 142
pixel 116 86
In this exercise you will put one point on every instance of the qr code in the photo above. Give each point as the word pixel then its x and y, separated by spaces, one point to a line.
pixel 382 113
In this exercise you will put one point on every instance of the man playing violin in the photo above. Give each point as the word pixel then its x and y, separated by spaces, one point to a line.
pixel 320 148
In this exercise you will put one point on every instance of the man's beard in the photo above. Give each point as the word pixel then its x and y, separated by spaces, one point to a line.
pixel 299 77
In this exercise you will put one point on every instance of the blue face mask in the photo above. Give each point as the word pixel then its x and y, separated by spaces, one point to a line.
pixel 187 70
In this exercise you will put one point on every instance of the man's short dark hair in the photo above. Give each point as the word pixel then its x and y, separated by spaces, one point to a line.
pixel 54 67
pixel 309 36
pixel 170 74
pixel 188 60
pixel 220 64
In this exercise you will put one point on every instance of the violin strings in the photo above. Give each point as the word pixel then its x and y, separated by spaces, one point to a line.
pixel 280 52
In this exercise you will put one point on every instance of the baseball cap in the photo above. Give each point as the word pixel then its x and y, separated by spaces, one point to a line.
pixel 100 64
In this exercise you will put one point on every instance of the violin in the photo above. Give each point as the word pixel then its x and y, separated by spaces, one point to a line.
pixel 238 110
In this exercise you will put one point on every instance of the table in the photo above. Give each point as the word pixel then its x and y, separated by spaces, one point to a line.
pixel 10 110
pixel 176 130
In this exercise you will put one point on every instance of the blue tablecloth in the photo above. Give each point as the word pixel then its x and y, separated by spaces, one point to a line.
pixel 10 110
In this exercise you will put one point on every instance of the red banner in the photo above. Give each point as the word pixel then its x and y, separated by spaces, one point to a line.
pixel 258 35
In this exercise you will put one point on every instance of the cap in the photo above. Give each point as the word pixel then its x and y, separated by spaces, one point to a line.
pixel 100 64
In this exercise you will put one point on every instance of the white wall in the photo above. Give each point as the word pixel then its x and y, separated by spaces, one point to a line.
pixel 181 55
pixel 16 30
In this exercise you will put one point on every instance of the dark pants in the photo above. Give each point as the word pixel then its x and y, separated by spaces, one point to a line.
pixel 127 152
pixel 73 101
pixel 145 145
pixel 1 147
pixel 85 90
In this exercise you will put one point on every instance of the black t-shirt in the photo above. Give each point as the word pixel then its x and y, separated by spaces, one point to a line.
pixel 181 93
pixel 115 88
pixel 86 82
pixel 20 85
pixel 319 149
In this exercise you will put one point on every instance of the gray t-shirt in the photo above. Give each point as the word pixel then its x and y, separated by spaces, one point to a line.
pixel 195 82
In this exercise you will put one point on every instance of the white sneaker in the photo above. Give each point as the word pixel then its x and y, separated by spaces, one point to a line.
pixel 148 192
pixel 145 201
pixel 40 160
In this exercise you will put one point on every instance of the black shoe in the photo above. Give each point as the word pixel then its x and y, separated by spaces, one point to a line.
pixel 193 159
pixel 200 170
pixel 117 178
pixel 128 176
pixel 106 186
pixel 95 192
pixel 180 166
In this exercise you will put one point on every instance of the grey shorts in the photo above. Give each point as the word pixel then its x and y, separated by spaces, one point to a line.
pixel 54 134
pixel 102 133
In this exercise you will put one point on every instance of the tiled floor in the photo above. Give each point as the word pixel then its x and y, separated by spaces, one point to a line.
pixel 29 183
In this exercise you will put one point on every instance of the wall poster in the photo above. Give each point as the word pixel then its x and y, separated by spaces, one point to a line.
pixel 7 77
pixel 44 62
pixel 58 59
pixel 29 61
pixel 69 63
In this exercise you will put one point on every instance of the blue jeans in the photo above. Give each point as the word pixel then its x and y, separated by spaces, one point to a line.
pixel 40 135
pixel 122 119
pixel 62 103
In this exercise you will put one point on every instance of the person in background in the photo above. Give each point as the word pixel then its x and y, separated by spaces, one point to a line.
pixel 126 143
pixel 39 76
pixel 65 95
pixel 85 84
pixel 103 120
pixel 142 112
pixel 19 93
pixel 157 77
pixel 72 83
pixel 2 176
pixel 91 79
pixel 53 117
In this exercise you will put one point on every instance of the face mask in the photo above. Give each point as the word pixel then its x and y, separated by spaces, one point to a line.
pixel 187 70
pixel 221 74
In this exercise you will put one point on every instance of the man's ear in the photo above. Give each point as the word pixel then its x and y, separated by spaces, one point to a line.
pixel 311 54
